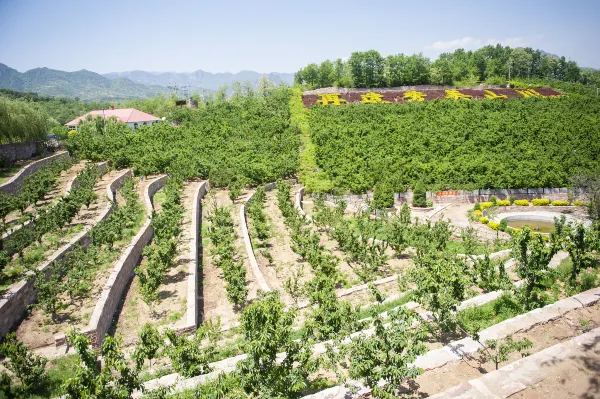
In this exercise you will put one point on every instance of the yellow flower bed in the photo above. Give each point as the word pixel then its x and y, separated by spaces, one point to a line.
pixel 477 213
pixel 541 202
pixel 521 203
pixel 560 203
pixel 502 202
pixel 485 205
pixel 484 220
pixel 494 225
pixel 579 203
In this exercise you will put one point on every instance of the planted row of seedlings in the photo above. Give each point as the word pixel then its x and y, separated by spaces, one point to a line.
pixel 439 282
pixel 158 291
pixel 228 283
pixel 68 290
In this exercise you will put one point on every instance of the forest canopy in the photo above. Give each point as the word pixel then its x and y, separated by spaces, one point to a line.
pixel 491 64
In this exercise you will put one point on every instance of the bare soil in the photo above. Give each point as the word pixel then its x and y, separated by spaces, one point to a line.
pixel 215 302
pixel 542 336
pixel 170 309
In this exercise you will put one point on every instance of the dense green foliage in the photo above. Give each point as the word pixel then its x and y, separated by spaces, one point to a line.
pixel 247 139
pixel 20 122
pixel 460 145
pixel 489 63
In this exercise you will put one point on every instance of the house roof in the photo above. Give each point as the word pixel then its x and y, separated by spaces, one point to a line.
pixel 125 115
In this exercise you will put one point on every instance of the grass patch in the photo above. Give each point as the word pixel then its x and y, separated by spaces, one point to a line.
pixel 482 317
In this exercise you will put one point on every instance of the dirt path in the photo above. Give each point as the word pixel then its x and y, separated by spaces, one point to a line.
pixel 38 329
pixel 170 309
pixel 542 336
pixel 56 192
pixel 214 294
pixel 285 261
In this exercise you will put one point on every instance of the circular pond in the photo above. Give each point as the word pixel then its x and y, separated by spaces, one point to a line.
pixel 535 225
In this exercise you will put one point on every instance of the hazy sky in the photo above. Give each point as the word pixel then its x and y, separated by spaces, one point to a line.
pixel 283 36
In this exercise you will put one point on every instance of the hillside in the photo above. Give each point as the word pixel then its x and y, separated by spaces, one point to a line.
pixel 83 84
pixel 199 78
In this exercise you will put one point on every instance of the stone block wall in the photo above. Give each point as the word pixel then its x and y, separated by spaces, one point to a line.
pixel 18 151
pixel 13 185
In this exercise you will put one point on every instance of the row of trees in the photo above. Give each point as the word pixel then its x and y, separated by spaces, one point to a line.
pixel 489 63
pixel 160 255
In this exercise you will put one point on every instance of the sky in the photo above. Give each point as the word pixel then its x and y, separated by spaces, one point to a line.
pixel 279 36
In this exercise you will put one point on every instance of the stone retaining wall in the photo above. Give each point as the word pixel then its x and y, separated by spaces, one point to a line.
pixel 13 185
pixel 18 151
pixel 116 284
pixel 14 303
pixel 258 275
pixel 192 315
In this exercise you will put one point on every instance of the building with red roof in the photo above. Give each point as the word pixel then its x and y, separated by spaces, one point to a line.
pixel 131 116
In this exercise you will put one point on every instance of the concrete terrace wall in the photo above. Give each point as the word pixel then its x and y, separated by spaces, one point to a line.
pixel 114 288
pixel 18 151
pixel 13 185
pixel 13 303
pixel 192 314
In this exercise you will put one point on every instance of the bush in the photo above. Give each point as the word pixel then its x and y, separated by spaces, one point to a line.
pixel 578 203
pixel 477 206
pixel 477 213
pixel 484 220
pixel 485 205
pixel 502 202
pixel 541 202
pixel 419 196
pixel 560 203
pixel 521 203
pixel 493 199
pixel 511 199
pixel 429 204
pixel 494 225
pixel 503 225
pixel 383 196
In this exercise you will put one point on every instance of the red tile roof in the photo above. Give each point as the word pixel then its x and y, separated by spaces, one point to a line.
pixel 125 115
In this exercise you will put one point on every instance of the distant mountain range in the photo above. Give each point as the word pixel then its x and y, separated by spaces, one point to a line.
pixel 116 86
pixel 199 79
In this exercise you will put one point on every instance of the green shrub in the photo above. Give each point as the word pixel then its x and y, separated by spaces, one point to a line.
pixel 541 202
pixel 578 203
pixel 521 202
pixel 493 199
pixel 511 199
pixel 484 220
pixel 383 196
pixel 419 196
pixel 477 207
pixel 503 225
pixel 560 203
